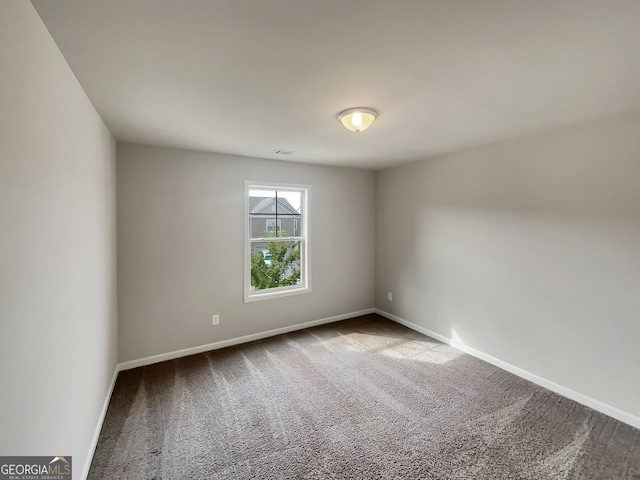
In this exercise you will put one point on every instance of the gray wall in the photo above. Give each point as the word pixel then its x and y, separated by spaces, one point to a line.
pixel 180 247
pixel 526 250
pixel 58 337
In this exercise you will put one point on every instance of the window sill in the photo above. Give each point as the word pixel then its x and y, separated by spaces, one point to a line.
pixel 276 293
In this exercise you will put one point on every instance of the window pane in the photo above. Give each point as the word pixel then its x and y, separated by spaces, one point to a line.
pixel 289 211
pixel 262 213
pixel 275 213
pixel 289 202
pixel 275 264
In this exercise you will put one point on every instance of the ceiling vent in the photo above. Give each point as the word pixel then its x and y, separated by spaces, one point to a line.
pixel 285 152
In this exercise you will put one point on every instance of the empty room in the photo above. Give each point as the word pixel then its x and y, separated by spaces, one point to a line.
pixel 352 239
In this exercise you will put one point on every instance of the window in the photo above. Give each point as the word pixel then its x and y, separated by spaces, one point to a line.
pixel 271 225
pixel 276 240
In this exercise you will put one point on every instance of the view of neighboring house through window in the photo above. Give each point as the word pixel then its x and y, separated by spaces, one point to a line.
pixel 276 241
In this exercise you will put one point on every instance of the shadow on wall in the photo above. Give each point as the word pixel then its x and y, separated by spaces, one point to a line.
pixel 531 285
pixel 528 250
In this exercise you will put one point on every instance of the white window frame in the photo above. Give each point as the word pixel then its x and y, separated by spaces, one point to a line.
pixel 305 257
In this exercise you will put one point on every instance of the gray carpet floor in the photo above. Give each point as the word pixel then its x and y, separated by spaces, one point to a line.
pixel 364 398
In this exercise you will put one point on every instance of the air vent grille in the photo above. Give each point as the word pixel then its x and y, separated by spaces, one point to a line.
pixel 285 152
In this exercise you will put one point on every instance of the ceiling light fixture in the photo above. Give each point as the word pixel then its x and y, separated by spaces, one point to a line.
pixel 357 119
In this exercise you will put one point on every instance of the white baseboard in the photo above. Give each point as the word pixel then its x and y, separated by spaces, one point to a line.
pixel 96 433
pixel 238 340
pixel 602 407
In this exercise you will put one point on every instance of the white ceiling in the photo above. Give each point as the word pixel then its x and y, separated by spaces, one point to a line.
pixel 252 76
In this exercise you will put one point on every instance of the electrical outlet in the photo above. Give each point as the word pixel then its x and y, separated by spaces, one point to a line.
pixel 215 320
pixel 390 296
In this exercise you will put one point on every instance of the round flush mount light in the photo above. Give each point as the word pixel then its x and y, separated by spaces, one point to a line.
pixel 357 119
